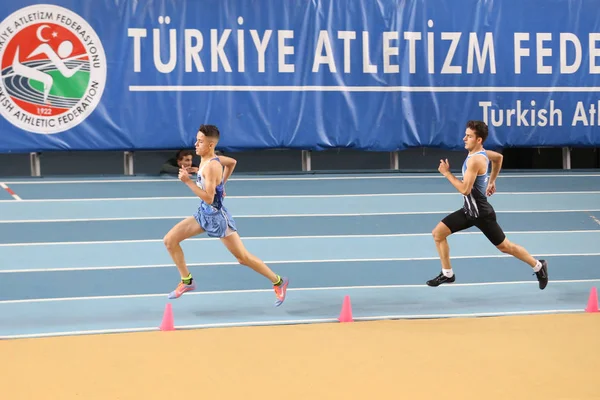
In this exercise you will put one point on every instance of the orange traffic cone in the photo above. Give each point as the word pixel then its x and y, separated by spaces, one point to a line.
pixel 346 313
pixel 167 321
pixel 592 305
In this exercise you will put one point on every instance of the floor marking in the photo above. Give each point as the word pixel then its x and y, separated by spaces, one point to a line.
pixel 595 219
pixel 246 238
pixel 242 216
pixel 310 289
pixel 10 191
pixel 292 322
pixel 228 263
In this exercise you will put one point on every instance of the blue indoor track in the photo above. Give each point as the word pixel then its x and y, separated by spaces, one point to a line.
pixel 86 255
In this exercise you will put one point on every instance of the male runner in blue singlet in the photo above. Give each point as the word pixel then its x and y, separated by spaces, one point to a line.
pixel 212 217
pixel 475 186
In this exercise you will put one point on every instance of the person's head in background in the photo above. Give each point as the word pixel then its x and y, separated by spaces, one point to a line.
pixel 185 158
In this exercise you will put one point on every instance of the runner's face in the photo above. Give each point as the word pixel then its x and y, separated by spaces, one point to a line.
pixel 470 139
pixel 203 144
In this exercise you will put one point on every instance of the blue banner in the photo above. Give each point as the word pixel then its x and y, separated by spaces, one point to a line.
pixel 374 75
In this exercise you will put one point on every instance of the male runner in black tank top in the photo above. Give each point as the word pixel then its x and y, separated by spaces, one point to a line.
pixel 476 210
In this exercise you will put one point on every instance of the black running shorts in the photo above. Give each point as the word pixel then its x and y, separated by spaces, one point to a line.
pixel 459 220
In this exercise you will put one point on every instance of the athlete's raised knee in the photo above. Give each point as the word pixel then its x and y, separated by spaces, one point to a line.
pixel 170 241
pixel 167 241
pixel 440 232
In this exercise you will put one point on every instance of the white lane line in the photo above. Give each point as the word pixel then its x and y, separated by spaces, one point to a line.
pixel 299 178
pixel 21 221
pixel 275 262
pixel 303 196
pixel 360 236
pixel 309 289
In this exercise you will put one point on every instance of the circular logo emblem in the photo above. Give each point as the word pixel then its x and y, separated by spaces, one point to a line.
pixel 52 69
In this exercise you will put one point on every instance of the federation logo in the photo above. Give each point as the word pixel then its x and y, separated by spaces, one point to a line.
pixel 52 69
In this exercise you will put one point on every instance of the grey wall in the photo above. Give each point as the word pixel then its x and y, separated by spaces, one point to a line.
pixel 422 159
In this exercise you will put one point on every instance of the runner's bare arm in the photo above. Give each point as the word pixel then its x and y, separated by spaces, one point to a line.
pixel 474 164
pixel 496 160
pixel 212 175
pixel 229 164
